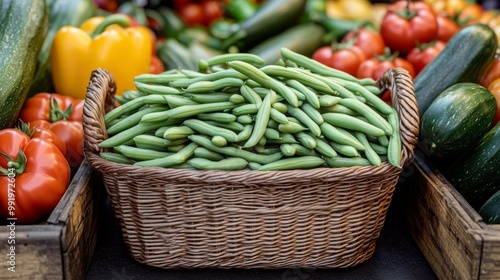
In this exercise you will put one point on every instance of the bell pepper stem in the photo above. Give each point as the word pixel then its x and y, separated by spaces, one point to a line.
pixel 119 19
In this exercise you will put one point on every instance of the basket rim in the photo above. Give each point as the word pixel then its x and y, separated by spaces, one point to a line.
pixel 100 97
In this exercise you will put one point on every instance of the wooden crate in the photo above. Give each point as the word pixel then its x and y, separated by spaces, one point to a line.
pixel 450 233
pixel 62 247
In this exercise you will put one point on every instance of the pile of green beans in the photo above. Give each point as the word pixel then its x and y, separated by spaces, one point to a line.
pixel 235 113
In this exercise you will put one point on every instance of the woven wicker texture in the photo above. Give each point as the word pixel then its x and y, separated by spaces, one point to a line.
pixel 184 218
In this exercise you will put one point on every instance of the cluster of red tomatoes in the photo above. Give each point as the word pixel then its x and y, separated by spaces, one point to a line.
pixel 38 156
pixel 410 35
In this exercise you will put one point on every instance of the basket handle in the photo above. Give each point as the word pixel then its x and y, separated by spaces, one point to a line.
pixel 399 82
pixel 102 88
pixel 98 101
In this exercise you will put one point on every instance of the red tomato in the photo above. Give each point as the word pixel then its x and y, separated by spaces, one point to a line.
pixel 492 73
pixel 62 115
pixel 407 23
pixel 447 27
pixel 494 87
pixel 212 10
pixel 376 66
pixel 340 57
pixel 156 65
pixel 420 56
pixel 370 41
pixel 38 173
pixel 192 14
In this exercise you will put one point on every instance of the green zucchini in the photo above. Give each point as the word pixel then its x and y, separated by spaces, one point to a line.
pixel 465 58
pixel 23 27
pixel 293 39
pixel 456 119
pixel 271 18
pixel 476 175
pixel 490 211
pixel 61 13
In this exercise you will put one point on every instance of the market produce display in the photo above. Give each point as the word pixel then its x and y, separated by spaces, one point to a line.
pixel 233 84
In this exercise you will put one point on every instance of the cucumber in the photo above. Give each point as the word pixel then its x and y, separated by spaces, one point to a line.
pixel 465 58
pixel 477 174
pixel 271 18
pixel 23 26
pixel 490 211
pixel 456 119
pixel 61 13
pixel 293 39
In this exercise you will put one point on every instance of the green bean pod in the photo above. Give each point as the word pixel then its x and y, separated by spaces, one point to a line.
pixel 328 100
pixel 134 105
pixel 212 97
pixel 139 153
pixel 261 120
pixel 324 148
pixel 245 133
pixel 337 108
pixel 307 140
pixel 159 79
pixel 210 86
pixel 211 130
pixel 245 119
pixel 370 154
pixel 245 109
pixel 178 132
pixel 305 120
pixel 234 126
pixel 207 154
pixel 287 150
pixel 130 133
pixel 332 133
pixel 394 148
pixel 347 162
pixel 349 122
pixel 301 151
pixel 345 150
pixel 291 127
pixel 154 142
pixel 231 163
pixel 235 152
pixel 228 73
pixel 278 116
pixel 313 113
pixel 304 162
pixel 250 95
pixel 156 89
pixel 260 77
pixel 218 117
pixel 116 157
pixel 133 119
pixel 172 160
pixel 291 74
pixel 187 111
pixel 366 111
pixel 219 141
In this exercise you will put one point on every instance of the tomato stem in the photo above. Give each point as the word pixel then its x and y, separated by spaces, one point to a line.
pixel 407 12
pixel 18 165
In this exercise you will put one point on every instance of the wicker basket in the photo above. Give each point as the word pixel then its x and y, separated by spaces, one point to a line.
pixel 185 218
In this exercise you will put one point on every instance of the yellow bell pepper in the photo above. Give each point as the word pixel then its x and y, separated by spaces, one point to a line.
pixel 108 43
